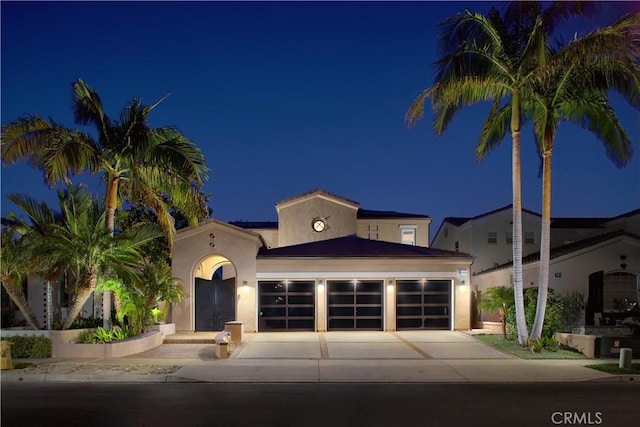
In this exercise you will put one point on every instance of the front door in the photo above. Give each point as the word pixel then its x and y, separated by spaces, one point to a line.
pixel 215 303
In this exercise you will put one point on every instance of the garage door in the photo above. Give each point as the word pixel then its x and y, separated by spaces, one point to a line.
pixel 354 305
pixel 286 305
pixel 423 304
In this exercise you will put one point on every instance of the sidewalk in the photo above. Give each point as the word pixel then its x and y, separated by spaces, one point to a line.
pixel 362 357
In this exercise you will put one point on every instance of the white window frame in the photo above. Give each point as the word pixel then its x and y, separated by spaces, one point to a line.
pixel 408 230
pixel 492 237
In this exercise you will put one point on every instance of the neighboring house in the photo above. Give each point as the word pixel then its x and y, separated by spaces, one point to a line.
pixel 488 237
pixel 325 265
pixel 605 268
pixel 599 257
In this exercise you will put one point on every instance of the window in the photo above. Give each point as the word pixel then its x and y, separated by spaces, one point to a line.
pixel 509 238
pixel 457 246
pixel 408 235
pixel 528 238
pixel 492 238
pixel 446 232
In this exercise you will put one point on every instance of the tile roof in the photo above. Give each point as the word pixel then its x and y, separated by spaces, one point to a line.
pixel 458 221
pixel 578 222
pixel 371 214
pixel 262 225
pixel 568 248
pixel 356 247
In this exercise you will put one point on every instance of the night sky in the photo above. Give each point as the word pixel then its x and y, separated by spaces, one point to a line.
pixel 284 98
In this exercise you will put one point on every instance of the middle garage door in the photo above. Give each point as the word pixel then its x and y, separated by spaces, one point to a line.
pixel 354 304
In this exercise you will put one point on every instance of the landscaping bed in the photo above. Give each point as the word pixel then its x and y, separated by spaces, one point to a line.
pixel 513 347
pixel 613 368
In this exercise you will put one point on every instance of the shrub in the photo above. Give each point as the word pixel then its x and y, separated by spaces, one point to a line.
pixel 102 336
pixel 554 315
pixel 29 347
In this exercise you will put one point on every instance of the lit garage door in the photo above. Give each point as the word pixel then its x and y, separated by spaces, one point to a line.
pixel 423 304
pixel 286 305
pixel 354 305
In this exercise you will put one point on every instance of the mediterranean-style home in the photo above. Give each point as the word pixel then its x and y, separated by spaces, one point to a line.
pixel 326 264
pixel 599 257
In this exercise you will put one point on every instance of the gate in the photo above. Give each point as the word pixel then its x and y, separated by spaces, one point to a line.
pixel 215 303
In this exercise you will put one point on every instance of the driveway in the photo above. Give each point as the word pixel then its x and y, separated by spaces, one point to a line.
pixel 405 345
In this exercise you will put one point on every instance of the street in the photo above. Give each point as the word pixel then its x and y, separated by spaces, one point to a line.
pixel 309 405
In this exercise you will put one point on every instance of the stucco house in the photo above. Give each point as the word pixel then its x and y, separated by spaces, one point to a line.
pixel 326 264
pixel 599 257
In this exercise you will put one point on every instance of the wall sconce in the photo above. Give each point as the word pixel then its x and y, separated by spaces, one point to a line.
pixel 245 286
pixel 390 284
pixel 462 285
pixel 320 285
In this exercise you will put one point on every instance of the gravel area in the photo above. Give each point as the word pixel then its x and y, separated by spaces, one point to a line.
pixel 95 369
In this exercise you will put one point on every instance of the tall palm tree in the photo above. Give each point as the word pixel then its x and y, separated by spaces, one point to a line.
pixel 77 242
pixel 157 166
pixel 573 87
pixel 492 58
pixel 14 269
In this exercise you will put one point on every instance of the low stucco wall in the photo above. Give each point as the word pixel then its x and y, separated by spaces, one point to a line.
pixel 586 344
pixel 165 328
pixel 147 341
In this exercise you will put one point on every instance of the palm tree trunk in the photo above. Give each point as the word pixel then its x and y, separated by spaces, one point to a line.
pixel 503 319
pixel 111 202
pixel 545 243
pixel 521 322
pixel 79 300
pixel 16 295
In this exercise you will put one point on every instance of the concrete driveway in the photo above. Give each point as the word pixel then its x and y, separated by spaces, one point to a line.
pixel 365 345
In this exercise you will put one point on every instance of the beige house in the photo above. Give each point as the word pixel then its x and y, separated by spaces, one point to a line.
pixel 326 264
pixel 598 257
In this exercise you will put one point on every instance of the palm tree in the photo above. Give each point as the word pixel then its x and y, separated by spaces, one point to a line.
pixel 77 242
pixel 573 86
pixel 498 299
pixel 14 269
pixel 491 58
pixel 157 166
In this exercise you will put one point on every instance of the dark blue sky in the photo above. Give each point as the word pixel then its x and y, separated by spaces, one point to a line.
pixel 288 97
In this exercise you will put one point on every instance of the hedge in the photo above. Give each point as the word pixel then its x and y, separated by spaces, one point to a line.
pixel 29 347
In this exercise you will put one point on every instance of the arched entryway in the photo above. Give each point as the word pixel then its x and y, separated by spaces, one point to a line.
pixel 215 293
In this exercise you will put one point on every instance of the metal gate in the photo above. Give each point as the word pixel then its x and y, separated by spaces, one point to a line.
pixel 215 303
pixel 423 304
pixel 354 304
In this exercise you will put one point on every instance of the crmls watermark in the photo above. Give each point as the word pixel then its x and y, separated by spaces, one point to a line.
pixel 576 418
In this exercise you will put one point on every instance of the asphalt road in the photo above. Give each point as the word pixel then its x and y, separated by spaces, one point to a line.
pixel 326 405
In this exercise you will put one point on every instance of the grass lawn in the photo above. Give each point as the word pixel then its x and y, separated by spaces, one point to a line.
pixel 512 346
pixel 612 368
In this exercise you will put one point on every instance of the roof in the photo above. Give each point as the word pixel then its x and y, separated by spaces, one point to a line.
pixel 578 222
pixel 320 192
pixel 262 225
pixel 371 214
pixel 356 247
pixel 458 221
pixel 569 248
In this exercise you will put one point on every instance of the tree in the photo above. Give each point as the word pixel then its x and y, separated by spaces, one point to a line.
pixel 14 269
pixel 75 241
pixel 159 167
pixel 492 58
pixel 498 299
pixel 573 86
